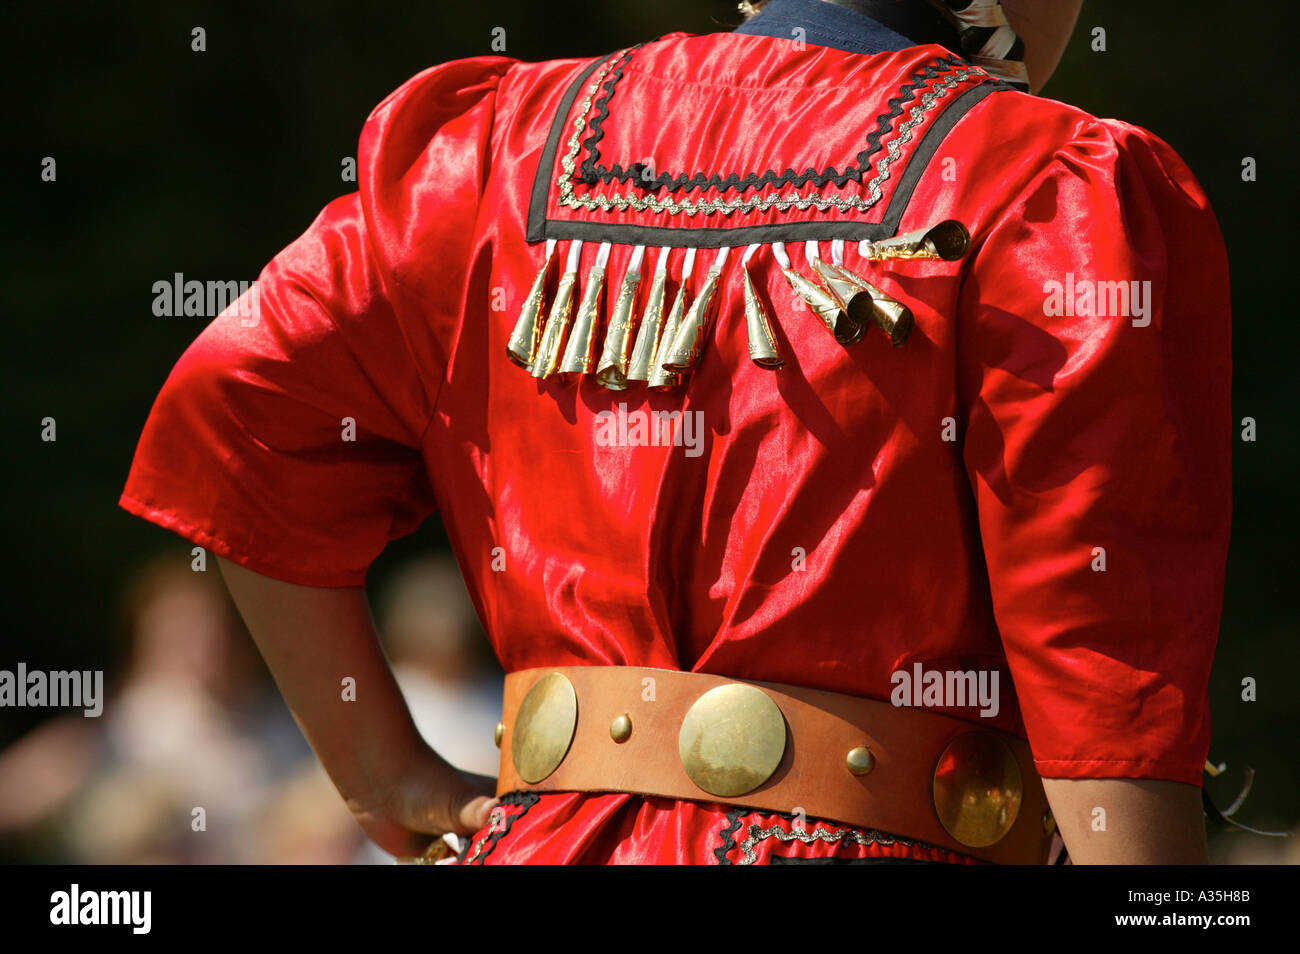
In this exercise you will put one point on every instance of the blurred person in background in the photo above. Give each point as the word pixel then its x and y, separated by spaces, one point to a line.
pixel 436 647
pixel 192 724
pixel 439 657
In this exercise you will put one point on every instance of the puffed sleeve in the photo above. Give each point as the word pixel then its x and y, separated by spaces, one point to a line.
pixel 1094 369
pixel 287 437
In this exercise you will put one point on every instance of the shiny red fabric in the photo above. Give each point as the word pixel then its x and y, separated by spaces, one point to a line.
pixel 861 510
pixel 573 828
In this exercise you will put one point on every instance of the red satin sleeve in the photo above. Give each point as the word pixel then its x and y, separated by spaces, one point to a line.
pixel 1102 436
pixel 287 437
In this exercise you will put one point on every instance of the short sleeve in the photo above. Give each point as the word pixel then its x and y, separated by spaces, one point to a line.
pixel 1094 375
pixel 288 436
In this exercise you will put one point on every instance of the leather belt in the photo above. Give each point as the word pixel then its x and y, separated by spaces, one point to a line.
pixel 909 772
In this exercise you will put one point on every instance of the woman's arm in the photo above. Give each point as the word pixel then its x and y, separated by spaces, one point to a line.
pixel 313 638
pixel 1140 822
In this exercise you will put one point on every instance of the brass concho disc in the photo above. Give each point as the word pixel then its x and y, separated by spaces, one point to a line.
pixel 544 727
pixel 977 789
pixel 732 739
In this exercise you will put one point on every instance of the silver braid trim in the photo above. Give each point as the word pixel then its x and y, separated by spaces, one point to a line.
pixel 846 835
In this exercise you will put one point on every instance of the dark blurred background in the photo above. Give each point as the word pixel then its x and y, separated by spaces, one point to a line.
pixel 209 163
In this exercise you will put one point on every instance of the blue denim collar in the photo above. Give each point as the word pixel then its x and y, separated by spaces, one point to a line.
pixel 824 24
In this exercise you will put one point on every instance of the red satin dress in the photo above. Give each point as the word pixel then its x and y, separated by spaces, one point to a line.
pixel 1037 482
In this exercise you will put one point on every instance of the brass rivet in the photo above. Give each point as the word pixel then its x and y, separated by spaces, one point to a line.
pixel 1049 823
pixel 860 760
pixel 732 739
pixel 499 733
pixel 544 727
pixel 977 789
pixel 621 728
